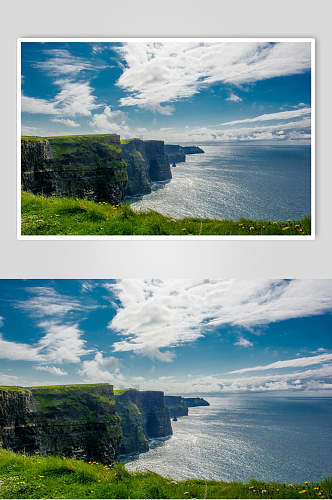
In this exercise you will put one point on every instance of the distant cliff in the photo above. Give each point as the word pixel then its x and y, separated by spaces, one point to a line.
pixel 74 421
pixel 143 415
pixel 177 154
pixel 178 406
pixel 83 166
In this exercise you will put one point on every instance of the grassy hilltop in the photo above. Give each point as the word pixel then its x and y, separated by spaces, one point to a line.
pixel 56 477
pixel 71 216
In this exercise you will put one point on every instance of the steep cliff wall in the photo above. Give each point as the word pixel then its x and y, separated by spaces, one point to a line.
pixel 175 153
pixel 195 402
pixel 74 421
pixel 87 166
pixel 134 154
pixel 192 150
pixel 159 168
pixel 143 415
pixel 178 406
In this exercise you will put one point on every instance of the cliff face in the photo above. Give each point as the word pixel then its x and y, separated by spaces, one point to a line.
pixel 134 154
pixel 175 153
pixel 178 406
pixel 196 402
pixel 74 421
pixel 143 415
pixel 159 168
pixel 89 167
pixel 192 150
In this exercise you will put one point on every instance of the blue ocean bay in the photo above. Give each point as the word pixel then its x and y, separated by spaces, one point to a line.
pixel 230 181
pixel 239 437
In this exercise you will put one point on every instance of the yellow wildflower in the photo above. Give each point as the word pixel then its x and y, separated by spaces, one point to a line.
pixel 284 228
pixel 303 491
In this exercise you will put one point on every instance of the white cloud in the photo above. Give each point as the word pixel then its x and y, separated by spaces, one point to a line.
pixel 18 351
pixel 289 363
pixel 65 121
pixel 109 121
pixel 6 379
pixel 102 369
pixel 62 343
pixel 234 98
pixel 62 62
pixel 47 302
pixel 242 342
pixel 156 73
pixel 282 115
pixel 155 315
pixel 54 370
pixel 74 99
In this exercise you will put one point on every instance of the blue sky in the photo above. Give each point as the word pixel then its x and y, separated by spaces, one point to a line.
pixel 177 91
pixel 179 336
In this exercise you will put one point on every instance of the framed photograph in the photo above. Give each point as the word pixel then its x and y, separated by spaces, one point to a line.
pixel 166 138
pixel 128 388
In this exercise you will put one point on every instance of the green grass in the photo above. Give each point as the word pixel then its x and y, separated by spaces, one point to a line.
pixel 56 477
pixel 70 216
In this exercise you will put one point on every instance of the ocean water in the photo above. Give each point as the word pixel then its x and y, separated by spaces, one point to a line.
pixel 232 181
pixel 241 437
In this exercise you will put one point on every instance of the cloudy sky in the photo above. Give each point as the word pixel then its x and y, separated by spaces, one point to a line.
pixel 177 91
pixel 177 336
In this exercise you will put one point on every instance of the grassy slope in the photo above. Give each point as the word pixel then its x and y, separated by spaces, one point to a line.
pixel 56 477
pixel 68 216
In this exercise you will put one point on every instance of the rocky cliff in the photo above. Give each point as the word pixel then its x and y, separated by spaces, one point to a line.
pixel 143 415
pixel 178 406
pixel 83 166
pixel 87 421
pixel 134 154
pixel 159 168
pixel 192 150
pixel 196 402
pixel 177 154
pixel 74 421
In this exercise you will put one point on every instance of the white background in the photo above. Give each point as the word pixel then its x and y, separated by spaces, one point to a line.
pixel 166 259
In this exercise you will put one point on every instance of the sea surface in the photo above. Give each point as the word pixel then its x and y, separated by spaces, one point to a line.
pixel 232 181
pixel 237 437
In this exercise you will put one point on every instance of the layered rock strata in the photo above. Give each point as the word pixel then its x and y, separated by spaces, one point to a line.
pixel 86 166
pixel 143 415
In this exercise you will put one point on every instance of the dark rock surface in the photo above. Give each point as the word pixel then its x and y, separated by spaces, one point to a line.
pixel 143 415
pixel 178 406
pixel 175 153
pixel 87 166
pixel 134 154
pixel 192 150
pixel 74 421
pixel 159 167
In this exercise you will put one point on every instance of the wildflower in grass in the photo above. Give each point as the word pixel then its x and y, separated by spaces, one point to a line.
pixel 57 215
pixel 41 476
pixel 303 491
pixel 316 488
pixel 277 489
pixel 22 482
pixel 306 482
pixel 285 228
pixel 251 228
pixel 264 491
